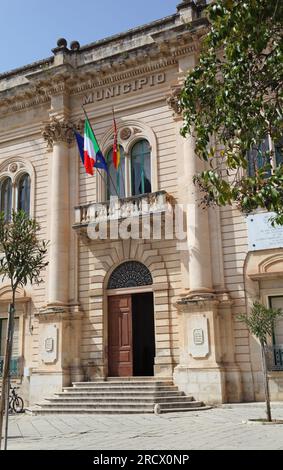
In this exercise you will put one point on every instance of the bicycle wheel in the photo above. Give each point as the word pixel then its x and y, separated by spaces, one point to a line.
pixel 18 405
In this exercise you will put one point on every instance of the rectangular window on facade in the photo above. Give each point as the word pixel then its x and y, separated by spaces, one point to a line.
pixel 3 332
pixel 277 302
pixel 264 154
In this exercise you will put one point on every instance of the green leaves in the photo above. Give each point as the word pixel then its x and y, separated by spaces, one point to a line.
pixel 235 93
pixel 22 254
pixel 261 321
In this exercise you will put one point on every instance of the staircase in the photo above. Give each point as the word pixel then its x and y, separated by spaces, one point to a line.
pixel 119 396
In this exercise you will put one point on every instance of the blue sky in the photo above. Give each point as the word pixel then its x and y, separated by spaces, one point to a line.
pixel 30 28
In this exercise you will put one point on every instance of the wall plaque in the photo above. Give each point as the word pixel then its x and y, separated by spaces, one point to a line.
pixel 261 234
pixel 198 344
pixel 49 344
pixel 198 336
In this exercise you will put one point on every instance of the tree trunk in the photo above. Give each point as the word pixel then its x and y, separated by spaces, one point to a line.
pixel 266 384
pixel 7 363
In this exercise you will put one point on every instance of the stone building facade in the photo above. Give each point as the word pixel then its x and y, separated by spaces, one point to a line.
pixel 125 306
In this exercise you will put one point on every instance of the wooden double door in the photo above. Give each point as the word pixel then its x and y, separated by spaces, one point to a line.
pixel 131 339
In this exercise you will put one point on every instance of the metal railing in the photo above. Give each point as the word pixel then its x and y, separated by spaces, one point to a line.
pixel 15 369
pixel 274 356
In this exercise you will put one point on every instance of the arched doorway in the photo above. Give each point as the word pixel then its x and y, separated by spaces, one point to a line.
pixel 131 338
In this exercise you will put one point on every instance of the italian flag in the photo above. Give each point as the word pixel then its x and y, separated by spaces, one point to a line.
pixel 91 148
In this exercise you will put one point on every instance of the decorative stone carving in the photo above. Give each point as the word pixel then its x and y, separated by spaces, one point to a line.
pixel 13 167
pixel 137 131
pixel 58 131
pixel 125 133
pixel 130 274
pixel 158 202
pixel 173 100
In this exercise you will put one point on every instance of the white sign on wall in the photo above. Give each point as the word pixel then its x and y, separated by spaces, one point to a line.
pixel 49 343
pixel 198 345
pixel 261 234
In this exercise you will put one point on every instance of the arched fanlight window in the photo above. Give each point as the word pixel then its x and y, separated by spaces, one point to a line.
pixel 6 198
pixel 141 168
pixel 130 274
pixel 24 193
pixel 116 178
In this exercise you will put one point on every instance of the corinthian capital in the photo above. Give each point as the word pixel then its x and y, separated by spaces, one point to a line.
pixel 58 131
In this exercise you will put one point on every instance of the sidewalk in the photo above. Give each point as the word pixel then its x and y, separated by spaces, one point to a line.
pixel 219 428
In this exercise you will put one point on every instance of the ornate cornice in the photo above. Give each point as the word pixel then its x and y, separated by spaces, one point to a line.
pixel 59 131
pixel 74 80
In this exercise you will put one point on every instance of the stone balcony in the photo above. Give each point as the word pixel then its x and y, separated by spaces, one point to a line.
pixel 118 209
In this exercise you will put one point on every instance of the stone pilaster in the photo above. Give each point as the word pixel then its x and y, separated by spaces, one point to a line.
pixel 207 369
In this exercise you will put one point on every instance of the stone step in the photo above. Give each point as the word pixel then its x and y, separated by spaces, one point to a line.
pixel 127 380
pixel 118 396
pixel 121 410
pixel 123 393
pixel 122 384
pixel 118 388
pixel 93 405
pixel 115 399
pixel 185 409
pixel 99 411
pixel 180 404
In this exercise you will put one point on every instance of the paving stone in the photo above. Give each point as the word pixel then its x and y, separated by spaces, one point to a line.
pixel 219 428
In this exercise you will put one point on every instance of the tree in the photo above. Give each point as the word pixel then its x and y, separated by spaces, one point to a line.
pixel 235 93
pixel 260 323
pixel 22 260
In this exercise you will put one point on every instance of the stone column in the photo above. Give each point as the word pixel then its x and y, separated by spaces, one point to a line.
pixel 59 134
pixel 59 321
pixel 200 278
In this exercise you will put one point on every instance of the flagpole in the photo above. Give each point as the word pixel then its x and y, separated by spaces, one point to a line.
pixel 122 176
pixel 85 113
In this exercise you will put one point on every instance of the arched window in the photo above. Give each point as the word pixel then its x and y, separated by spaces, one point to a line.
pixel 6 198
pixel 130 274
pixel 116 178
pixel 24 193
pixel 141 168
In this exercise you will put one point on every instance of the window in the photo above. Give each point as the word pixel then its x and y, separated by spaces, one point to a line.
pixel 277 302
pixel 263 154
pixel 116 179
pixel 138 171
pixel 6 197
pixel 141 168
pixel 3 334
pixel 15 189
pixel 279 152
pixel 24 193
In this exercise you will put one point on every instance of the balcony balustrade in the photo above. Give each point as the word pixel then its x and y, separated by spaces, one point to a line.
pixel 117 209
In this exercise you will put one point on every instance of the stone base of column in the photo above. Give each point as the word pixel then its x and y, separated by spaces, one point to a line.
pixel 234 386
pixel 163 367
pixel 207 369
pixel 44 384
pixel 204 384
pixel 213 385
pixel 59 351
